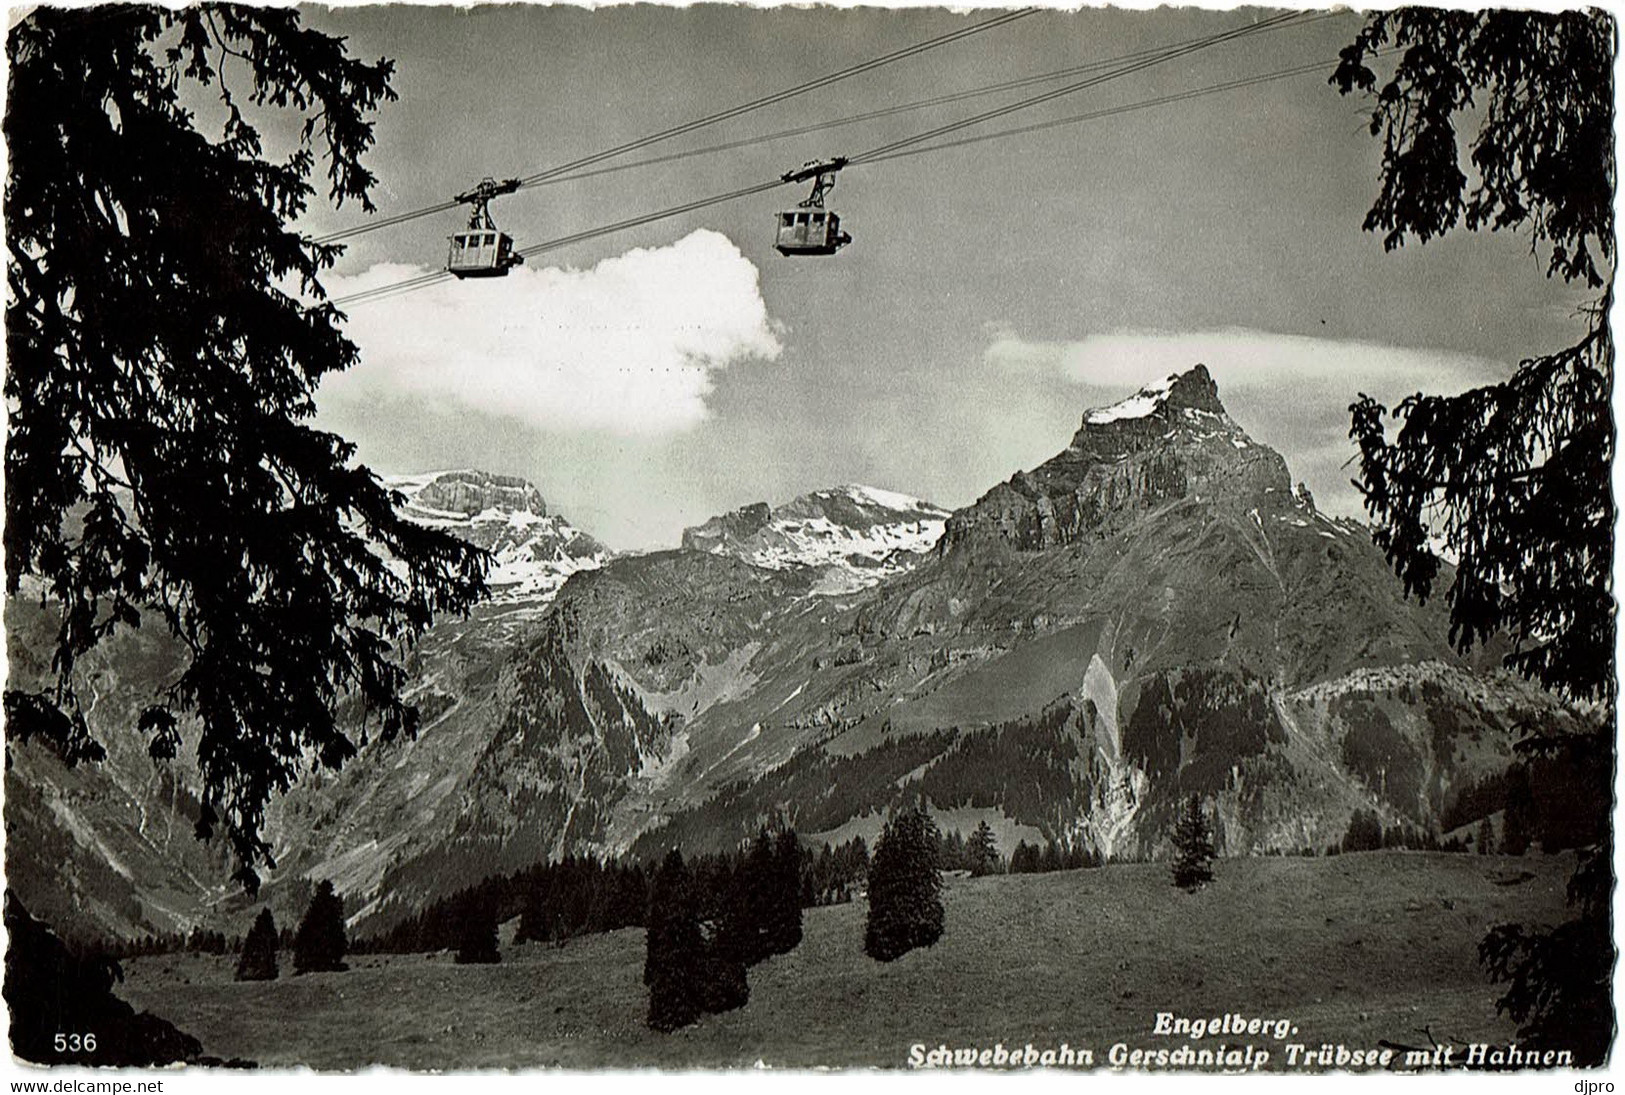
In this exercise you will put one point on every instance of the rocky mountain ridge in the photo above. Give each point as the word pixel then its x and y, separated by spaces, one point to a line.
pixel 856 535
pixel 534 552
pixel 1150 614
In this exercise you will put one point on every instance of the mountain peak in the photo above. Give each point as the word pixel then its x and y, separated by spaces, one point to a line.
pixel 1190 390
pixel 468 492
pixel 532 551
pixel 1169 441
pixel 865 533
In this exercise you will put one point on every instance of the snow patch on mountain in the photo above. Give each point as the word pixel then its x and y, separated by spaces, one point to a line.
pixel 858 535
pixel 534 552
pixel 1142 403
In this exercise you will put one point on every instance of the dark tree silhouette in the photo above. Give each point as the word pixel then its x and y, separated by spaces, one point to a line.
pixel 1559 980
pixel 1193 847
pixel 1025 859
pixel 723 983
pixel 53 991
pixel 1516 822
pixel 319 944
pixel 746 930
pixel 1364 832
pixel 478 945
pixel 674 962
pixel 784 903
pixel 1514 478
pixel 905 888
pixel 761 914
pixel 159 461
pixel 982 851
pixel 258 959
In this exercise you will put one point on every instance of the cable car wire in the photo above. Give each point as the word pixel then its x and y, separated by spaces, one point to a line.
pixel 1126 108
pixel 884 112
pixel 891 150
pixel 422 280
pixel 1093 81
pixel 710 119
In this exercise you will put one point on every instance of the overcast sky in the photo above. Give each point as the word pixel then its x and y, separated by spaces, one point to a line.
pixel 993 292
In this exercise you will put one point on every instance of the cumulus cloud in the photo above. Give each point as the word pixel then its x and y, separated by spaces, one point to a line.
pixel 630 346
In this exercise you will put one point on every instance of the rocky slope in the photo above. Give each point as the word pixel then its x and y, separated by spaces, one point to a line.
pixel 111 845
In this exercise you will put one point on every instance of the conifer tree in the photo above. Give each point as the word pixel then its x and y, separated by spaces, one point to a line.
pixel 723 985
pixel 747 923
pixel 319 944
pixel 982 851
pixel 1364 832
pixel 258 959
pixel 1515 824
pixel 1193 842
pixel 166 331
pixel 674 962
pixel 784 905
pixel 905 888
pixel 478 943
pixel 533 917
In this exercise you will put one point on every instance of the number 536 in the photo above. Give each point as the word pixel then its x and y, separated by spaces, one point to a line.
pixel 76 1043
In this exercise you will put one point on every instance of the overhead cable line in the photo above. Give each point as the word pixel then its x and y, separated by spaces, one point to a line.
pixel 1109 112
pixel 564 241
pixel 884 112
pixel 1093 81
pixel 710 119
pixel 892 150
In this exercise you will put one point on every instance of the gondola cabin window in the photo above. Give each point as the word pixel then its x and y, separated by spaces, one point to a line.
pixel 809 232
pixel 480 254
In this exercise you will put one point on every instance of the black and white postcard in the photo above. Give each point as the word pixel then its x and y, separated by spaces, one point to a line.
pixel 558 539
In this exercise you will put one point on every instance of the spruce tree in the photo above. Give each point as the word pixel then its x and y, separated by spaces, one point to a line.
pixel 723 985
pixel 905 888
pixel 748 919
pixel 533 917
pixel 1514 478
pixel 674 962
pixel 166 332
pixel 319 944
pixel 784 904
pixel 1516 822
pixel 478 942
pixel 982 851
pixel 258 959
pixel 1193 842
pixel 1364 832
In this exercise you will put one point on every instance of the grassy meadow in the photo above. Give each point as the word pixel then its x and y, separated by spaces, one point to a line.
pixel 1351 949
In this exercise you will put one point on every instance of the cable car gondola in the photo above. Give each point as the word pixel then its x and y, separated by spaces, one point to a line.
pixel 809 229
pixel 482 251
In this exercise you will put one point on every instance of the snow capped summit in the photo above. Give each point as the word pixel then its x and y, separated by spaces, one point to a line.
pixel 1170 441
pixel 1191 391
pixel 859 534
pixel 1138 405
pixel 534 551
